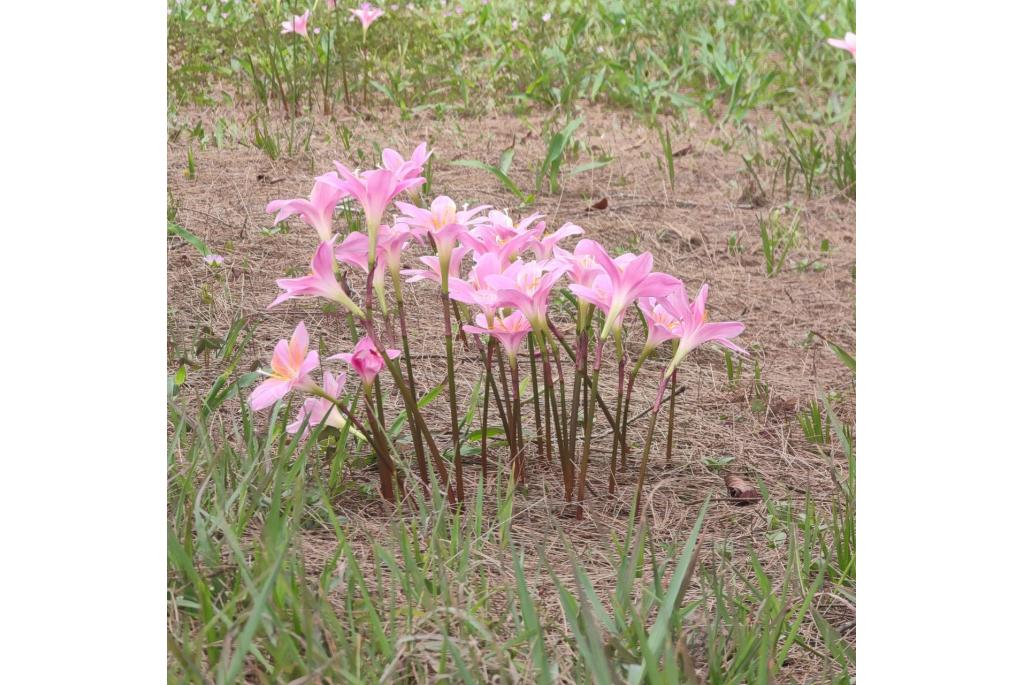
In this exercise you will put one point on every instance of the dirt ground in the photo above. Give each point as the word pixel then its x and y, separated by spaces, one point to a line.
pixel 687 230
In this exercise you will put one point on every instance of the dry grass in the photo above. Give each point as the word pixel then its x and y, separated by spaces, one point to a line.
pixel 686 230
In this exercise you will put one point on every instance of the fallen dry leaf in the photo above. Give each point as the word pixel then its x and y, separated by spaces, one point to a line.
pixel 740 489
pixel 683 151
pixel 783 406
pixel 600 204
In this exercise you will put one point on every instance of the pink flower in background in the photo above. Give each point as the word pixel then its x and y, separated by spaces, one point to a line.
pixel 546 18
pixel 510 330
pixel 290 368
pixel 527 287
pixel 433 270
pixel 366 360
pixel 406 168
pixel 544 246
pixel 501 224
pixel 331 4
pixel 319 408
pixel 848 43
pixel 320 283
pixel 625 279
pixel 317 211
pixel 367 14
pixel 506 246
pixel 695 329
pixel 390 241
pixel 296 25
pixel 214 259
pixel 373 189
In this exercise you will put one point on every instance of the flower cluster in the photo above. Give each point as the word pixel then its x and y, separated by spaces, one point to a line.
pixel 498 275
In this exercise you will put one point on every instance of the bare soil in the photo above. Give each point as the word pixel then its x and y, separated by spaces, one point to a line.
pixel 688 231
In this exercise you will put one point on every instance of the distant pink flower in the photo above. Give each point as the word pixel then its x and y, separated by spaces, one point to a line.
pixel 214 259
pixel 510 330
pixel 406 168
pixel 433 270
pixel 527 287
pixel 626 278
pixel 695 329
pixel 848 43
pixel 296 25
pixel 367 14
pixel 544 245
pixel 546 18
pixel 366 360
pixel 320 283
pixel 317 409
pixel 515 24
pixel 317 211
pixel 331 4
pixel 290 369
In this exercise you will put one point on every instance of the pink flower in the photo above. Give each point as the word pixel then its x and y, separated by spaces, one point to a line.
pixel 290 369
pixel 527 287
pixel 474 290
pixel 510 330
pixel 848 43
pixel 366 360
pixel 296 25
pixel 319 408
pixel 390 242
pixel 367 14
pixel 406 169
pixel 546 18
pixel 662 323
pixel 695 329
pixel 443 222
pixel 213 259
pixel 544 246
pixel 316 211
pixel 433 270
pixel 331 4
pixel 625 279
pixel 320 283
pixel 583 267
pixel 505 245
pixel 374 190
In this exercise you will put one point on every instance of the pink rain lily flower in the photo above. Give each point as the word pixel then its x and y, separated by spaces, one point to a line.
pixel 443 213
pixel 406 168
pixel 316 211
pixel 354 250
pixel 298 25
pixel 320 283
pixel 433 270
pixel 507 247
pixel 509 330
pixel 662 323
pixel 374 190
pixel 502 225
pixel 367 14
pixel 583 267
pixel 544 246
pixel 848 43
pixel 320 409
pixel 366 360
pixel 625 279
pixel 331 4
pixel 474 290
pixel 214 259
pixel 695 329
pixel 527 287
pixel 290 368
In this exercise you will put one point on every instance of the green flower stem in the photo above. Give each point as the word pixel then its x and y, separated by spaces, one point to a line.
pixel 519 453
pixel 483 416
pixel 450 359
pixel 624 428
pixel 541 438
pixel 647 444
pixel 588 431
pixel 417 439
pixel 567 466
pixel 671 420
pixel 618 422
pixel 385 466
